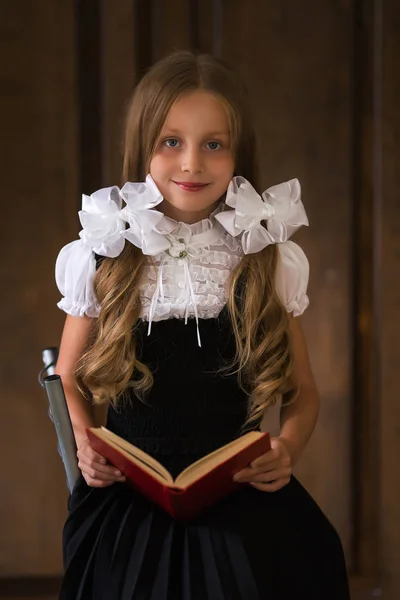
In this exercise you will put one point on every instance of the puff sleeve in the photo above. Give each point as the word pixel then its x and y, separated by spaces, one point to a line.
pixel 102 232
pixel 75 270
pixel 292 276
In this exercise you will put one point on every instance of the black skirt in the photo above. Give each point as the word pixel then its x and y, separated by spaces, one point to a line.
pixel 251 545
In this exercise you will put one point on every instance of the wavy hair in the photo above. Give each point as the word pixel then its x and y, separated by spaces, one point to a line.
pixel 260 321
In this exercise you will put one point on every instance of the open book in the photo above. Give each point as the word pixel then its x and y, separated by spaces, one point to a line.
pixel 201 484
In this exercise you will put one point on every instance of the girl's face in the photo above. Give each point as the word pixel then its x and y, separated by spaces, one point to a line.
pixel 193 162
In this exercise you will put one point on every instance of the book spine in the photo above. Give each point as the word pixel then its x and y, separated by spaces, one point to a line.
pixel 167 502
pixel 215 484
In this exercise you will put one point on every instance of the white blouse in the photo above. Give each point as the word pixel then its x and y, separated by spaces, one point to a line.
pixel 193 261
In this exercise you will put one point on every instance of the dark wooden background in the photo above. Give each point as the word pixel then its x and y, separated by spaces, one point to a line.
pixel 324 77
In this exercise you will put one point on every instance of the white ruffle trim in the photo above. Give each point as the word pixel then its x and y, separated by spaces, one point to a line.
pixel 297 307
pixel 198 273
pixel 78 310
pixel 207 308
pixel 209 274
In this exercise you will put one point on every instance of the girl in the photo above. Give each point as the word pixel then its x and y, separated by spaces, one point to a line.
pixel 183 295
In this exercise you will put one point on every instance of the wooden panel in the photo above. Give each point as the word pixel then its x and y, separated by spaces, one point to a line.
pixel 176 31
pixel 204 13
pixel 119 76
pixel 389 269
pixel 107 71
pixel 325 113
pixel 90 94
pixel 296 66
pixel 170 25
pixel 39 181
pixel 377 295
pixel 366 156
pixel 143 34
pixel 23 588
pixel 56 146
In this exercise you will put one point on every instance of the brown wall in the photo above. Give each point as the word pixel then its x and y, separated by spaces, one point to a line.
pixel 387 215
pixel 302 112
pixel 325 88
pixel 39 190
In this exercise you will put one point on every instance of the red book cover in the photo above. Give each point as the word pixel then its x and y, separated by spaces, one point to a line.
pixel 204 486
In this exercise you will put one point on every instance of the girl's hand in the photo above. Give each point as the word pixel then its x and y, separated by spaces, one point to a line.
pixel 270 471
pixel 94 468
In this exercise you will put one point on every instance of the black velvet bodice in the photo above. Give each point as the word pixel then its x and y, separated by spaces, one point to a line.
pixel 191 408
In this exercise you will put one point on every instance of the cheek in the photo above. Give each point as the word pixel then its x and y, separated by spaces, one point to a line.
pixel 156 166
pixel 224 167
pixel 160 172
pixel 161 164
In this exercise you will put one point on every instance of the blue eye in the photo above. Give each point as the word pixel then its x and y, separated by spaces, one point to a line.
pixel 171 143
pixel 213 145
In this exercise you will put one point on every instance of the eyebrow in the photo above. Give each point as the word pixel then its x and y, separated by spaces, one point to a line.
pixel 211 134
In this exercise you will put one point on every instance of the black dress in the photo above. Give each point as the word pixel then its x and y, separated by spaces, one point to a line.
pixel 252 545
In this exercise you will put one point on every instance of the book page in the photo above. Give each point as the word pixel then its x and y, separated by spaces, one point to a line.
pixel 137 455
pixel 210 461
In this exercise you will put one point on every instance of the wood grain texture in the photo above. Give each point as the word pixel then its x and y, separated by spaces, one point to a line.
pixel 175 31
pixel 296 66
pixel 39 182
pixel 89 21
pixel 120 74
pixel 390 304
pixel 365 288
pixel 300 70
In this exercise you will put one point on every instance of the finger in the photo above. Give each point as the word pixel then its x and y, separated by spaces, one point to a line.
pixel 266 465
pixel 244 475
pixel 271 476
pixel 269 457
pixel 271 487
pixel 86 450
pixel 89 457
pixel 95 473
pixel 110 470
pixel 281 460
pixel 100 480
pixel 249 474
pixel 97 483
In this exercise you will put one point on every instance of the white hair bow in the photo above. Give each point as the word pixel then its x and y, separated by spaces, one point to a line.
pixel 147 227
pixel 280 207
pixel 102 224
pixel 104 220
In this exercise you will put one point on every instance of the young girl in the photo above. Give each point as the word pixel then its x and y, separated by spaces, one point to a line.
pixel 183 295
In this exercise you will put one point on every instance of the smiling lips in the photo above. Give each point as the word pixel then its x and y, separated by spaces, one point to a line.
pixel 190 187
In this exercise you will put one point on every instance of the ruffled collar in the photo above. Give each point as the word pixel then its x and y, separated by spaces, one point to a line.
pixel 256 220
pixel 204 224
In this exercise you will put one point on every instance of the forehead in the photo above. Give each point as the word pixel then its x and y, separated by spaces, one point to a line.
pixel 198 110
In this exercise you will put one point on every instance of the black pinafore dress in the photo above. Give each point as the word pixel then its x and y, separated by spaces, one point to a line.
pixel 251 545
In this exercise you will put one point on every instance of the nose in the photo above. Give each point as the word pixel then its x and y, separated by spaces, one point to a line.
pixel 192 160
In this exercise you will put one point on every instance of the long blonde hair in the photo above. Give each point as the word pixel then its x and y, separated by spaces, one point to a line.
pixel 259 320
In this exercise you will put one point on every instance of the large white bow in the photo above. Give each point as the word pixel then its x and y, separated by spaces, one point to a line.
pixel 147 227
pixel 104 220
pixel 102 224
pixel 280 207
